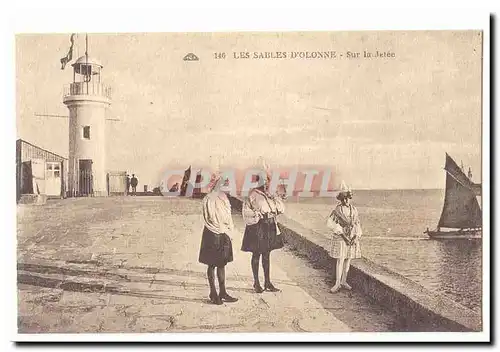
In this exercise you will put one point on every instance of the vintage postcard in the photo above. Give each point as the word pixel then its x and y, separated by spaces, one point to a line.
pixel 250 182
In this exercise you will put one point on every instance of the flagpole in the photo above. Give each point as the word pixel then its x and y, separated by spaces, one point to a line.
pixel 87 60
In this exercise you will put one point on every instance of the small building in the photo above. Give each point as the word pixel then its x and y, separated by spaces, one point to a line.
pixel 39 171
pixel 44 173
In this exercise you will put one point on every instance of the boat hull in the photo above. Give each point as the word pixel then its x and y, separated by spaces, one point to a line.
pixel 463 234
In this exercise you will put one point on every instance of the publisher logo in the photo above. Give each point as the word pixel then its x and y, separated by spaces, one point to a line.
pixel 190 57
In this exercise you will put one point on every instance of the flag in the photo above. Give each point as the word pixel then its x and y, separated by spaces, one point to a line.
pixel 69 55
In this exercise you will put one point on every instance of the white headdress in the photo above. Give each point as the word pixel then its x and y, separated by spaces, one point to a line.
pixel 215 179
pixel 344 190
pixel 266 169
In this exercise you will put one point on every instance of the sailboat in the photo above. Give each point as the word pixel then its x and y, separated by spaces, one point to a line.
pixel 462 214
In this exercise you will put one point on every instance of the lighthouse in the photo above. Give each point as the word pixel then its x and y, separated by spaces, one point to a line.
pixel 88 100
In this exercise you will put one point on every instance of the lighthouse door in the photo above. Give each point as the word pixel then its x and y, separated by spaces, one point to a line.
pixel 86 179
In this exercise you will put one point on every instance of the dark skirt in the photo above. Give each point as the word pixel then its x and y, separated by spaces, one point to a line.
pixel 262 237
pixel 215 249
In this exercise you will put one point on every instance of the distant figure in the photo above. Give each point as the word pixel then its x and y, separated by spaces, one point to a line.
pixel 175 188
pixel 134 182
pixel 157 191
pixel 128 185
pixel 470 173
pixel 346 233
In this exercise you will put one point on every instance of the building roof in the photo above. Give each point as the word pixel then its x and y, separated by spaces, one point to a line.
pixel 87 60
pixel 45 150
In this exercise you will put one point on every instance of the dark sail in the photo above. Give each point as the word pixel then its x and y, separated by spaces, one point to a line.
pixel 461 208
pixel 185 180
pixel 452 168
pixel 197 190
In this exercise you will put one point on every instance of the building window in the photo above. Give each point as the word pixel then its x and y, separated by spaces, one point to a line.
pixel 52 170
pixel 86 132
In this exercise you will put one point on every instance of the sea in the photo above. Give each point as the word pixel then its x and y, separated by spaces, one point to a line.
pixel 393 222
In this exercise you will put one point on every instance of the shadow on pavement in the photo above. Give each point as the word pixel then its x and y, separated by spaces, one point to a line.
pixel 29 276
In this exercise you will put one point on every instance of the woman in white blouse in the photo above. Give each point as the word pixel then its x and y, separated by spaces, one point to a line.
pixel 216 249
pixel 346 233
pixel 262 234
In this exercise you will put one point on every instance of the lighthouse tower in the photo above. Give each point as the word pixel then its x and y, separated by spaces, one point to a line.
pixel 87 99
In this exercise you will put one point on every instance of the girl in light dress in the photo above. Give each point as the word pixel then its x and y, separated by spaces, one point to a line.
pixel 346 233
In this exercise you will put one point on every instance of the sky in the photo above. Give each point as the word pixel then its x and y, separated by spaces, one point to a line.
pixel 383 123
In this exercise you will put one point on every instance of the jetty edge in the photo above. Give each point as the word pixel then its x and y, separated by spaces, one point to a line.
pixel 418 308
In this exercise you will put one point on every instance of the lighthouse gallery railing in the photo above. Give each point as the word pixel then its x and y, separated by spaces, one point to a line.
pixel 87 88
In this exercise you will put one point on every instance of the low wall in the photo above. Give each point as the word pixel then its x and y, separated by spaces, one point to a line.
pixel 38 199
pixel 419 309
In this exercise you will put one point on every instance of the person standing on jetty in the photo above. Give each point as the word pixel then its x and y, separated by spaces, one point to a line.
pixel 346 233
pixel 262 234
pixel 216 249
pixel 127 181
pixel 134 182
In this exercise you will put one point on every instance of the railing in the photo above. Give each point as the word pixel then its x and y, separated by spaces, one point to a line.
pixel 87 88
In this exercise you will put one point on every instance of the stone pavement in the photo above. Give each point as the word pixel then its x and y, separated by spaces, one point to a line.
pixel 130 264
